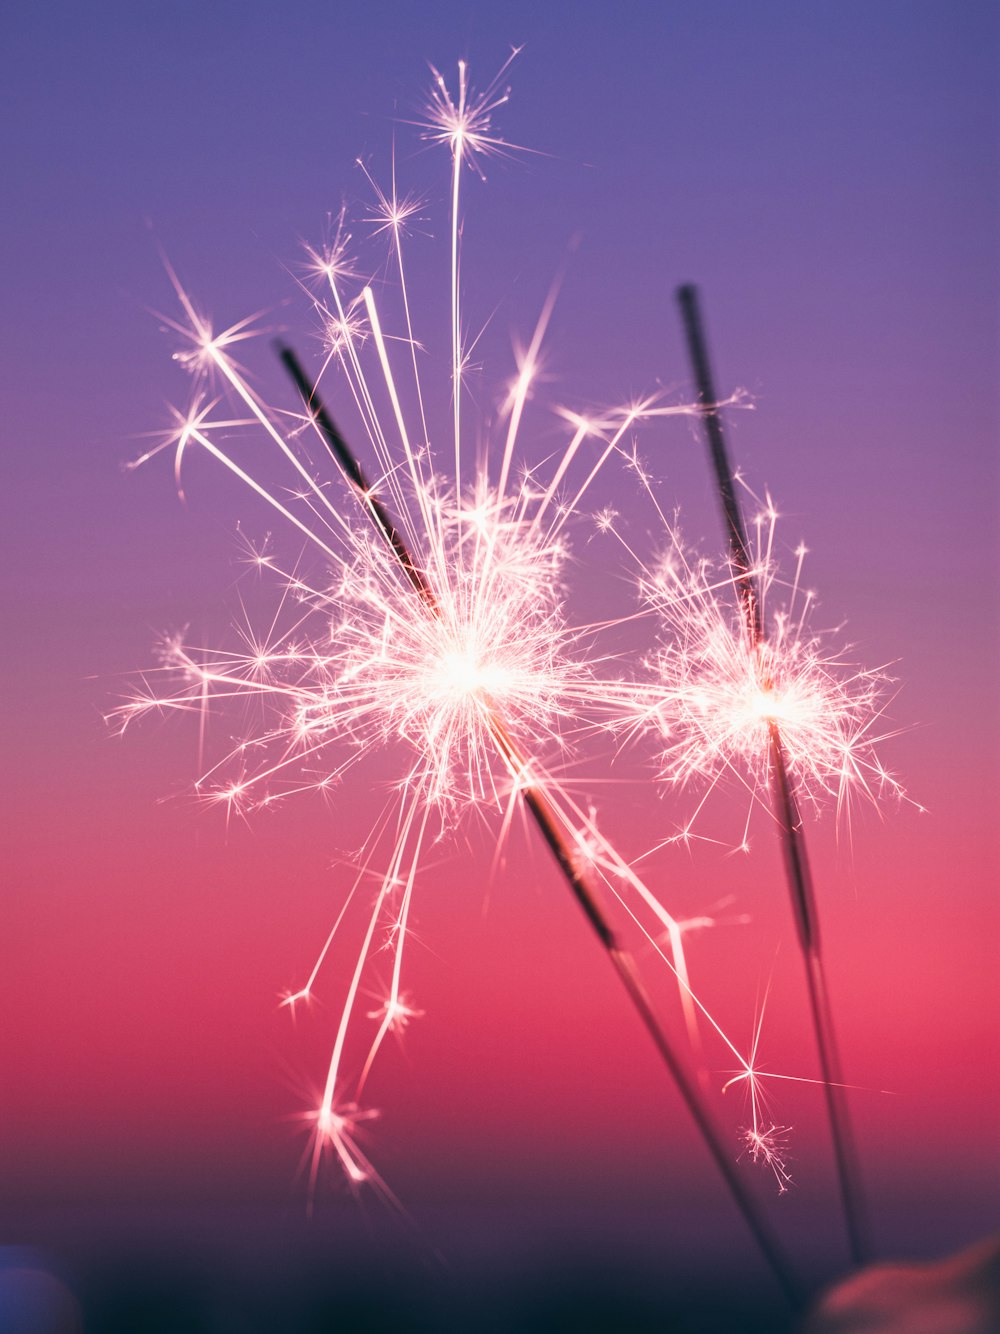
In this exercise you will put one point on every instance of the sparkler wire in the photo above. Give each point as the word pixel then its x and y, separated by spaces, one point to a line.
pixel 785 807
pixel 547 818
pixel 354 473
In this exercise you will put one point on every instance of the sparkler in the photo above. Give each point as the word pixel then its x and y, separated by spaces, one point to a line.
pixel 441 625
pixel 765 659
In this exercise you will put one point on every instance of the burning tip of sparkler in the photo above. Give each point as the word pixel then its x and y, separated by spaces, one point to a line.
pixel 722 688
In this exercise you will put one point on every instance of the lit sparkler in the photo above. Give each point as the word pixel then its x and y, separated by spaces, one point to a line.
pixel 440 625
pixel 804 722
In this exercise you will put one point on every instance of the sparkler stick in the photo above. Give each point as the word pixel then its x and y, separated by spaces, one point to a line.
pixel 355 475
pixel 783 800
pixel 559 841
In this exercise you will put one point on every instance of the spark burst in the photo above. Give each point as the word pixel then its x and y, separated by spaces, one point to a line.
pixel 716 692
pixel 437 624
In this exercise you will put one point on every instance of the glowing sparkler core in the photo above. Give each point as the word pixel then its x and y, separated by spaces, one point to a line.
pixel 496 640
pixel 718 692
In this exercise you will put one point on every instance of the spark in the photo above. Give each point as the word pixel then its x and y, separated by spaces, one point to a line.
pixel 392 211
pixel 765 1142
pixel 464 122
pixel 768 1145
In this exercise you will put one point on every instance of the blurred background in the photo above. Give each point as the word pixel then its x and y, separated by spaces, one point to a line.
pixel 827 174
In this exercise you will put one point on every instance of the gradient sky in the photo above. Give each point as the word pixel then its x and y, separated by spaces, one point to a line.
pixel 828 175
